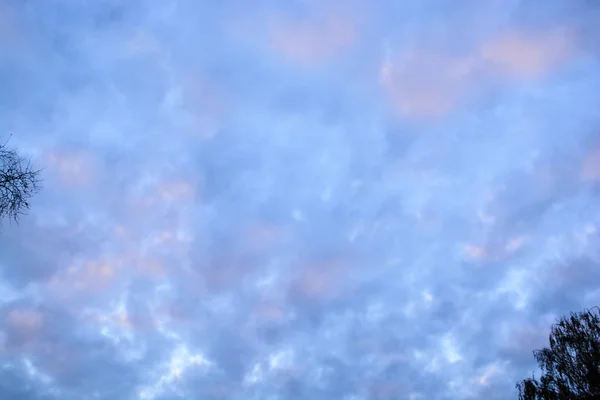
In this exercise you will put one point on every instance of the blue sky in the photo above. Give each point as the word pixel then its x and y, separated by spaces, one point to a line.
pixel 357 200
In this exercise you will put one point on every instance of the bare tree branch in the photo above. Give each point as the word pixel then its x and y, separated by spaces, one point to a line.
pixel 18 183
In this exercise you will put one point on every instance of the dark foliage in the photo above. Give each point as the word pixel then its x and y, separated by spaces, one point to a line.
pixel 18 183
pixel 571 365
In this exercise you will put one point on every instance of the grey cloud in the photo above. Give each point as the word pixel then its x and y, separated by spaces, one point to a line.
pixel 323 245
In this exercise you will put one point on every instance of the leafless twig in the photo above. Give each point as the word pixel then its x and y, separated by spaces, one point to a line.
pixel 18 183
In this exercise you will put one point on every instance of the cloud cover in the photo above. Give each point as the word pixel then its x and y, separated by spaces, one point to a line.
pixel 300 199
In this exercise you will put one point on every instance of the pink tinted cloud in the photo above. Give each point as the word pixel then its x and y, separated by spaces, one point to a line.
pixel 319 279
pixel 309 43
pixel 490 373
pixel 72 169
pixel 590 168
pixel 322 36
pixel 21 328
pixel 25 320
pixel 148 254
pixel 524 54
pixel 424 85
pixel 429 84
pixel 84 280
pixel 494 250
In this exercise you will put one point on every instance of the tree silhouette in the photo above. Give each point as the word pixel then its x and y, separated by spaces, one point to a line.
pixel 18 182
pixel 571 365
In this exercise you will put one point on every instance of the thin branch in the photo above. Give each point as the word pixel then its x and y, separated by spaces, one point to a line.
pixel 18 183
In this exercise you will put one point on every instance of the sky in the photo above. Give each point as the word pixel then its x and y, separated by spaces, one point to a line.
pixel 296 199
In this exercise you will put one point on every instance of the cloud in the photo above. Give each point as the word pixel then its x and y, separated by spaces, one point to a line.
pixel 590 169
pixel 72 169
pixel 25 320
pixel 228 216
pixel 305 36
pixel 521 54
pixel 86 278
pixel 11 34
pixel 425 85
pixel 423 82
pixel 309 43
